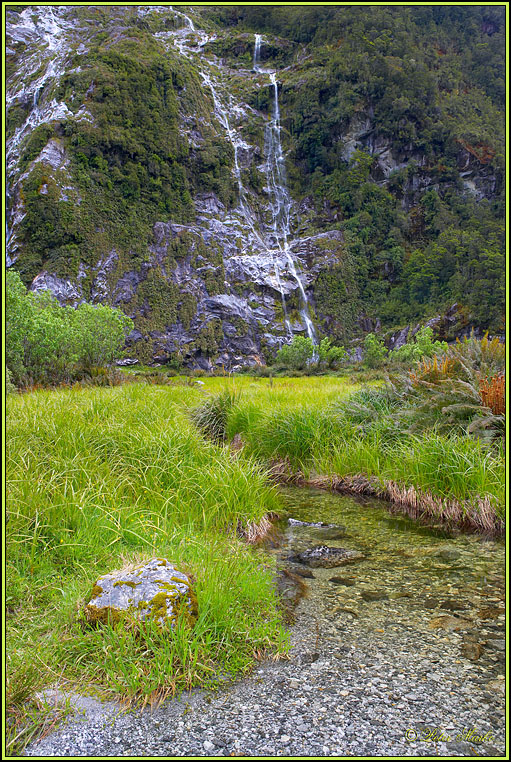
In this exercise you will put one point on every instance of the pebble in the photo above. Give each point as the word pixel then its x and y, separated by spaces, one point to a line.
pixel 365 686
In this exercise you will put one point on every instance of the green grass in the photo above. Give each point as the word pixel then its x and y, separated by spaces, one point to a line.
pixel 98 477
pixel 327 433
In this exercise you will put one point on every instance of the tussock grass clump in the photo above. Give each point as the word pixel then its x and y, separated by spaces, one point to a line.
pixel 211 416
pixel 374 432
pixel 101 477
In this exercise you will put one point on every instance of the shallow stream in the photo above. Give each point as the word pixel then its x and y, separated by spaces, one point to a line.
pixel 399 653
pixel 413 578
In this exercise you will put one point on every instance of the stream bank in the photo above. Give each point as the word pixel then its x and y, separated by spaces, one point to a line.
pixel 399 653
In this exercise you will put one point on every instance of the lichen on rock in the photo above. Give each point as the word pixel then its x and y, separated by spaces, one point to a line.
pixel 154 590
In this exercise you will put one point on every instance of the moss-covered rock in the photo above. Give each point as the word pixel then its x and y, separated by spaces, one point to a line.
pixel 154 590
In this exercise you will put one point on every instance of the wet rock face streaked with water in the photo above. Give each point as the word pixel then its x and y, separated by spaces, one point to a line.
pixel 400 654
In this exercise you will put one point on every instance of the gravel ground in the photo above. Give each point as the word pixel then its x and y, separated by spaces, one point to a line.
pixel 345 691
pixel 399 654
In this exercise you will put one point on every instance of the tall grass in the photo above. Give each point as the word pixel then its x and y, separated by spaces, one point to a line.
pixel 99 477
pixel 362 434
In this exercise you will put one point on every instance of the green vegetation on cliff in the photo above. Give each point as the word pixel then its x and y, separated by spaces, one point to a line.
pixel 423 86
pixel 392 128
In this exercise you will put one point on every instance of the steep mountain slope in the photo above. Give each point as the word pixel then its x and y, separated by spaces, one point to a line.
pixel 231 176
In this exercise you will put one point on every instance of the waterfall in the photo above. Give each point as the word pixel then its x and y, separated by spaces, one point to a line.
pixel 257 50
pixel 280 200
pixel 49 27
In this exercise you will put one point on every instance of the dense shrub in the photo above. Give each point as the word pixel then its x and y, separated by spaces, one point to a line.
pixel 374 351
pixel 422 346
pixel 47 343
pixel 297 354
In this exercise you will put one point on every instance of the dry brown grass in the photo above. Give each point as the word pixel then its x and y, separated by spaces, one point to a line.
pixel 478 516
pixel 493 393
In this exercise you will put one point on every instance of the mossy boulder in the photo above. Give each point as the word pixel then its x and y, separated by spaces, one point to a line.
pixel 154 590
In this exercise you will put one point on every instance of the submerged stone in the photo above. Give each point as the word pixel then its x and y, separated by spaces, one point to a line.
pixel 471 650
pixel 290 588
pixel 328 533
pixel 347 581
pixel 446 622
pixel 154 590
pixel 327 557
pixel 450 605
pixel 448 554
pixel 316 524
pixel 374 595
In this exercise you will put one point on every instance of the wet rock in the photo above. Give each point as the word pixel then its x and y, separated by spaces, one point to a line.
pixel 490 613
pixel 321 530
pixel 154 590
pixel 327 557
pixel 374 595
pixel 346 581
pixel 496 687
pixel 291 588
pixel 446 622
pixel 53 154
pixel 471 650
pixel 450 605
pixel 448 554
pixel 329 533
pixel 301 572
pixel 431 603
pixel 498 645
pixel 65 291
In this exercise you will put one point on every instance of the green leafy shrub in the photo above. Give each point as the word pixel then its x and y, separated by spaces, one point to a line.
pixel 422 346
pixel 330 356
pixel 374 351
pixel 9 386
pixel 47 343
pixel 297 354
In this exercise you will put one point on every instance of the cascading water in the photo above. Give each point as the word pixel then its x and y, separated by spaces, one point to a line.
pixel 222 115
pixel 257 51
pixel 280 200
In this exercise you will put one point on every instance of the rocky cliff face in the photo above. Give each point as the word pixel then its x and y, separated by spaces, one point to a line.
pixel 147 169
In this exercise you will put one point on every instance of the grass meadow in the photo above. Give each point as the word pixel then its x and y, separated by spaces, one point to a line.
pixel 100 477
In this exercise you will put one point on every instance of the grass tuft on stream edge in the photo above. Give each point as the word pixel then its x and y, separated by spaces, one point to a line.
pixel 100 477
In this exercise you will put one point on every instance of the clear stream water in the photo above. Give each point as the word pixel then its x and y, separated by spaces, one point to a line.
pixel 414 579
pixel 382 654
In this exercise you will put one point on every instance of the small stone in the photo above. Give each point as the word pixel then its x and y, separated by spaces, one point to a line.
pixel 208 746
pixel 448 554
pixel 446 622
pixel 499 645
pixel 374 595
pixel 431 603
pixel 471 650
pixel 326 557
pixel 452 605
pixel 490 613
pixel 346 581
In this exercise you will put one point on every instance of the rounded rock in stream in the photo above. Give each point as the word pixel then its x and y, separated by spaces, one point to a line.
pixel 346 581
pixel 326 557
pixel 154 590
